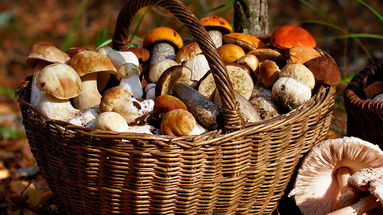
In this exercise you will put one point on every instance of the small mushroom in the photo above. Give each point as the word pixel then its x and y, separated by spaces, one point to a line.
pixel 173 75
pixel 162 43
pixel 205 112
pixel 268 73
pixel 373 89
pixel 216 26
pixel 191 56
pixel 263 54
pixel 166 103
pixel 246 41
pixel 60 82
pixel 288 36
pixel 180 122
pixel 230 53
pixel 41 55
pixel 325 170
pixel 88 64
pixel 112 121
pixel 117 99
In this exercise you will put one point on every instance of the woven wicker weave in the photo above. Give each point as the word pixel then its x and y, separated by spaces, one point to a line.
pixel 243 169
pixel 364 117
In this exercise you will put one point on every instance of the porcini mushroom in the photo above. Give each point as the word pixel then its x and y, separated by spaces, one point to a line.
pixel 173 75
pixel 180 122
pixel 317 188
pixel 268 73
pixel 216 26
pixel 88 64
pixel 117 99
pixel 325 69
pixel 162 43
pixel 112 121
pixel 302 54
pixel 60 82
pixel 41 55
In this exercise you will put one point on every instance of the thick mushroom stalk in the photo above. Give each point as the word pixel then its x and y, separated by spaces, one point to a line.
pixel 317 189
pixel 162 51
pixel 60 82
pixel 216 26
pixel 128 74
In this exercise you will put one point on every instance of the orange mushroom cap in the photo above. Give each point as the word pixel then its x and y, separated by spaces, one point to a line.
pixel 230 53
pixel 163 34
pixel 216 22
pixel 246 41
pixel 288 36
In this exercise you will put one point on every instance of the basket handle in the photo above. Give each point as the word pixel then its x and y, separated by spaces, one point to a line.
pixel 230 108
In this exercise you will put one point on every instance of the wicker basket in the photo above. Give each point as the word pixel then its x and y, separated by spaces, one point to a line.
pixel 241 169
pixel 364 117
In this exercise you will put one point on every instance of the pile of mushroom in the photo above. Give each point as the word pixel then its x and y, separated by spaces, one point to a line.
pixel 166 86
pixel 335 175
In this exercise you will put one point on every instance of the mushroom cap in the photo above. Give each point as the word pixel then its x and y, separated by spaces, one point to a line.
pixel 46 52
pixel 288 36
pixel 302 54
pixel 188 51
pixel 268 54
pixel 161 34
pixel 230 52
pixel 177 122
pixel 111 121
pixel 165 103
pixel 268 73
pixel 59 80
pixel 86 62
pixel 373 89
pixel 298 72
pixel 216 22
pixel 74 50
pixel 247 41
pixel 110 98
pixel 325 69
pixel 316 191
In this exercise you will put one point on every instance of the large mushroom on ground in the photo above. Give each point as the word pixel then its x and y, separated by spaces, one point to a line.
pixel 216 26
pixel 321 184
pixel 288 36
pixel 41 55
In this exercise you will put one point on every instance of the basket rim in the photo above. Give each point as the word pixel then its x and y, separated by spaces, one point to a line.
pixel 355 86
pixel 210 137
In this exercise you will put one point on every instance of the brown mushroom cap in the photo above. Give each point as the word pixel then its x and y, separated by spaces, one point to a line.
pixel 247 41
pixel 46 52
pixel 86 62
pixel 302 54
pixel 141 53
pixel 230 52
pixel 178 122
pixel 316 190
pixel 59 80
pixel 216 22
pixel 268 54
pixel 288 36
pixel 325 69
pixel 161 34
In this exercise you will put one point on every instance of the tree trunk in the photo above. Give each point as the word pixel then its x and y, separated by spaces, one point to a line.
pixel 251 16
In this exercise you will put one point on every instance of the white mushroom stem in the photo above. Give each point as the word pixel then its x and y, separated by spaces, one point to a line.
pixel 346 194
pixel 364 205
pixel 58 109
pixel 130 80
pixel 162 51
pixel 216 36
pixel 150 91
pixel 89 95
pixel 86 117
pixel 36 93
